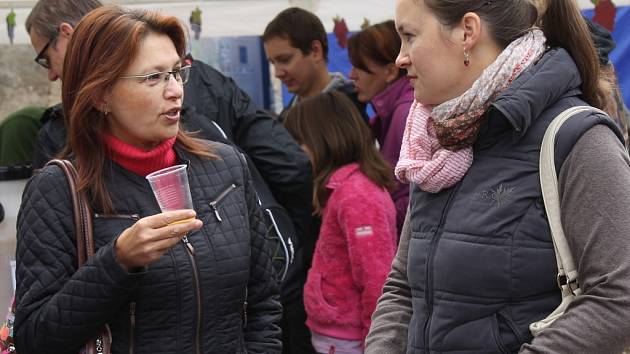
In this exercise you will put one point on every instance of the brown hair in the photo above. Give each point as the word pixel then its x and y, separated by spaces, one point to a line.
pixel 332 129
pixel 104 44
pixel 614 106
pixel 300 27
pixel 561 22
pixel 379 43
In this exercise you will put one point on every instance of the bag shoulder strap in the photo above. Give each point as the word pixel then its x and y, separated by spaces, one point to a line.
pixel 85 243
pixel 81 210
pixel 567 271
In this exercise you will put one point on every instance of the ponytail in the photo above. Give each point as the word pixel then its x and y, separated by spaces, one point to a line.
pixel 572 34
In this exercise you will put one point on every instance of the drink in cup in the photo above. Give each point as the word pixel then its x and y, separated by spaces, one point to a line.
pixel 171 189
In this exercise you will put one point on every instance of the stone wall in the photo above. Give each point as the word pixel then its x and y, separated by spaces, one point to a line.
pixel 23 82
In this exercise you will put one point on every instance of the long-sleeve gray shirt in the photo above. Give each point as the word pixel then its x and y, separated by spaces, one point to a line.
pixel 594 184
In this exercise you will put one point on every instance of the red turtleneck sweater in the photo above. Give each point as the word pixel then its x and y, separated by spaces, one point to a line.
pixel 139 161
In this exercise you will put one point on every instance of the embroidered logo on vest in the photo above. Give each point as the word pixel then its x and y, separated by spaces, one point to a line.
pixel 499 195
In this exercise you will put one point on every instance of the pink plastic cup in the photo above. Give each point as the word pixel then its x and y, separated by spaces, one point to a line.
pixel 171 189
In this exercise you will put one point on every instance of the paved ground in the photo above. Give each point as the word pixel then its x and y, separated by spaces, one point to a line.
pixel 22 82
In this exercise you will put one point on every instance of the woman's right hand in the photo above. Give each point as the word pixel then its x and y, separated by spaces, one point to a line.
pixel 147 240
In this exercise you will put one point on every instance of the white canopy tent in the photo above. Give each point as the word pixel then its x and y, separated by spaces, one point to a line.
pixel 232 17
pixel 242 17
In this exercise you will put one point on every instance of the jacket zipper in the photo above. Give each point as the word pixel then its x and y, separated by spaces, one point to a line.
pixel 215 203
pixel 193 262
pixel 191 255
pixel 188 245
pixel 132 325
pixel 132 305
pixel 429 270
pixel 244 319
pixel 117 216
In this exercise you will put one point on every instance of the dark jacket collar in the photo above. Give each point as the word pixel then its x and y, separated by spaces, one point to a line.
pixel 554 76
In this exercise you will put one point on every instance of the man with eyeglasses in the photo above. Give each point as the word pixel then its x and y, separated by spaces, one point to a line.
pixel 215 107
pixel 50 26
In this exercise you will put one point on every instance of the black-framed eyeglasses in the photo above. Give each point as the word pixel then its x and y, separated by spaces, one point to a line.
pixel 43 59
pixel 181 75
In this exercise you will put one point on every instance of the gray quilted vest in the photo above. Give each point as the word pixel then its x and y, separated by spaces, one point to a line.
pixel 481 263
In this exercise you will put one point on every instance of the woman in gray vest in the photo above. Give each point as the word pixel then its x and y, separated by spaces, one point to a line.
pixel 476 264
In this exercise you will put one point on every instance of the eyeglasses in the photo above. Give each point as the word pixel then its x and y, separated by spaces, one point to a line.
pixel 43 59
pixel 181 75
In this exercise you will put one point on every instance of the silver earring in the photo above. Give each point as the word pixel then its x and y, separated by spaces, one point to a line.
pixel 106 111
pixel 466 58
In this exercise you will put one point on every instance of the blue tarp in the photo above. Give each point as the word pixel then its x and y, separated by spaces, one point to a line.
pixel 621 55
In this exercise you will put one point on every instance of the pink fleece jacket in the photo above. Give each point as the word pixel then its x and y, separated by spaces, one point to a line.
pixel 354 252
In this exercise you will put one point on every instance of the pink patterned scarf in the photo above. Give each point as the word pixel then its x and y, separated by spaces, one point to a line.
pixel 436 149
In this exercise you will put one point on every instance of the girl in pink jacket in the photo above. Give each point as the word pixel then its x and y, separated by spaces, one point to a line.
pixel 357 239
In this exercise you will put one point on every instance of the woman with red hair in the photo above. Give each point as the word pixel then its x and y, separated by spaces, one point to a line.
pixel 211 291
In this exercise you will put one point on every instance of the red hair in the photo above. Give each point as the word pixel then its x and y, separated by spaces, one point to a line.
pixel 103 45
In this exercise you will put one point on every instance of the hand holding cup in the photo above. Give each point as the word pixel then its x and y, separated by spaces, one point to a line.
pixel 149 238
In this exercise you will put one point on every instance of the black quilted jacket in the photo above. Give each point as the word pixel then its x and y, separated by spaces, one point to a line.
pixel 211 97
pixel 182 303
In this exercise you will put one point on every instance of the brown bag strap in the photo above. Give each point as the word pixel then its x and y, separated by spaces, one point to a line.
pixel 81 209
pixel 85 242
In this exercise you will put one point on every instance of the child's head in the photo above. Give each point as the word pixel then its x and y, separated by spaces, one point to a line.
pixel 331 130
